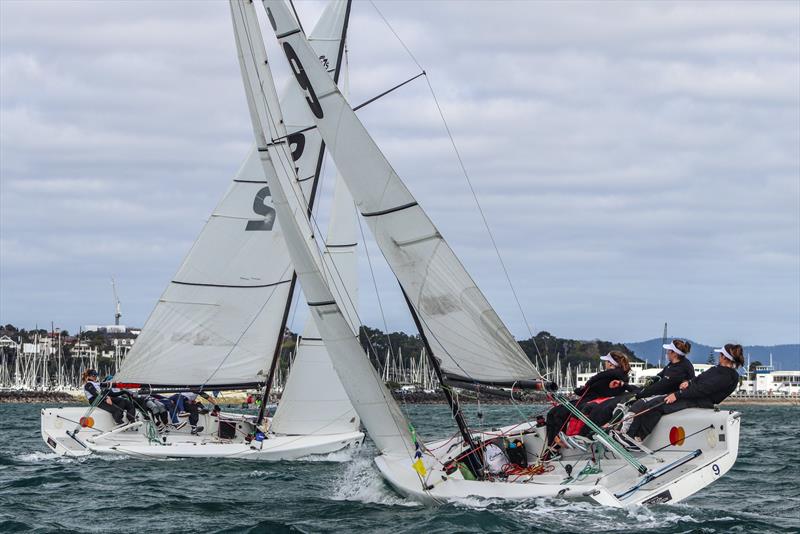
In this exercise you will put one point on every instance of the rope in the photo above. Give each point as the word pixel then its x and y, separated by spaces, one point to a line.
pixel 531 470
pixel 660 449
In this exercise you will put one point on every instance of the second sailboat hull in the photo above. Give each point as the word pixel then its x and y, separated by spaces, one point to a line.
pixel 61 431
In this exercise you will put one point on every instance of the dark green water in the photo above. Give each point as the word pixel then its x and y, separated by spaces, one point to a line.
pixel 42 493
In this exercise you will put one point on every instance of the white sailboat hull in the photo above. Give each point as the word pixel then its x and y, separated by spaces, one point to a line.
pixel 708 451
pixel 59 433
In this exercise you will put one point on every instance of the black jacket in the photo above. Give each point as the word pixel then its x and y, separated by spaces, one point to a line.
pixel 597 386
pixel 671 377
pixel 711 387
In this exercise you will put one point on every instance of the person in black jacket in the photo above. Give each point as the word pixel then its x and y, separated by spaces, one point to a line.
pixel 669 379
pixel 708 389
pixel 598 386
pixel 114 402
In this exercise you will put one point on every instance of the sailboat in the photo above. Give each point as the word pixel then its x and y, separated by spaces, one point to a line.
pixel 219 325
pixel 465 340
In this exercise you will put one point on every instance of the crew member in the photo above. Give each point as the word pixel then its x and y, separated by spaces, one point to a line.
pixel 668 380
pixel 599 386
pixel 112 403
pixel 708 389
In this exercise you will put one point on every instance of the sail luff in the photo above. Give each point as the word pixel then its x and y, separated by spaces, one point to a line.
pixel 372 401
pixel 464 331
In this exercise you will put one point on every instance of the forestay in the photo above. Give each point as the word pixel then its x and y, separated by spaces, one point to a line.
pixel 464 332
pixel 375 407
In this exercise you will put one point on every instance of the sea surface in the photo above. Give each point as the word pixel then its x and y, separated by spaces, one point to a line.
pixel 40 492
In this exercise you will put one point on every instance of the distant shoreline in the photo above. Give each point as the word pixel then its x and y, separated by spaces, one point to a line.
pixel 236 398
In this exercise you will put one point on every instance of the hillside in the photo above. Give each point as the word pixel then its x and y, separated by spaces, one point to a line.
pixel 786 357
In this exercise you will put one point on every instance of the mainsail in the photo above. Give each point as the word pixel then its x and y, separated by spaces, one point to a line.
pixel 377 409
pixel 462 328
pixel 220 318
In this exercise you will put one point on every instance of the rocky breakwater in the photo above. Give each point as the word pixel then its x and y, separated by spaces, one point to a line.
pixel 31 397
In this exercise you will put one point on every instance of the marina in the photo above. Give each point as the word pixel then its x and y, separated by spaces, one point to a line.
pixel 348 319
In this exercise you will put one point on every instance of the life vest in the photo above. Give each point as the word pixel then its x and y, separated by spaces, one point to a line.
pixel 575 425
pixel 89 395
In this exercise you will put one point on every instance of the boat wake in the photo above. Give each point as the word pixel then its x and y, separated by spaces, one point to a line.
pixel 344 455
pixel 40 456
pixel 585 516
pixel 361 482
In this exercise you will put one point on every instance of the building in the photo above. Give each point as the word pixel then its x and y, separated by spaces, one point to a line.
pixel 769 382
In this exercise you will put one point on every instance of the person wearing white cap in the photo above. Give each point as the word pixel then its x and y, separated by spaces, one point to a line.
pixel 668 380
pixel 708 389
pixel 605 384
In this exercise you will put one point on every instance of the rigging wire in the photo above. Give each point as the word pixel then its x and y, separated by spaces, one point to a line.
pixel 377 293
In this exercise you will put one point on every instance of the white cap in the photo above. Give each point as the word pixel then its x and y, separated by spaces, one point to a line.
pixel 610 359
pixel 725 353
pixel 673 348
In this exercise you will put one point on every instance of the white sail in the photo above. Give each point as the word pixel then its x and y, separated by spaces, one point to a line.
pixel 314 400
pixel 464 331
pixel 372 401
pixel 218 321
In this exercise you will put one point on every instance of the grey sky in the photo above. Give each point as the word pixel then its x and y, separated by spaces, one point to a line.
pixel 638 162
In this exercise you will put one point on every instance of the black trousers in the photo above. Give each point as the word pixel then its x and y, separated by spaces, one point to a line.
pixel 644 424
pixel 115 411
pixel 602 413
pixel 556 418
pixel 125 405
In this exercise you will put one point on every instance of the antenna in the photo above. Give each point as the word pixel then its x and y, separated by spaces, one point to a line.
pixel 663 342
pixel 117 304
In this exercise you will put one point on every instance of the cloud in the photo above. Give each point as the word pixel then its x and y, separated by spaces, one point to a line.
pixel 638 163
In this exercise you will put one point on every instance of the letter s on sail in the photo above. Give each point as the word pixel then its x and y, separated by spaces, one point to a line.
pixel 260 207
pixel 302 79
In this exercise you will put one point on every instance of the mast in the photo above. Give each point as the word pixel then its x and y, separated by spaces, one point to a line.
pixel 448 395
pixel 276 354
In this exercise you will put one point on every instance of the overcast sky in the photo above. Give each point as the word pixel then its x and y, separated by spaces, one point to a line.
pixel 637 162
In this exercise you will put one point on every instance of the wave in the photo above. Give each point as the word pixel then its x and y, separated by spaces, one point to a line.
pixel 361 482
